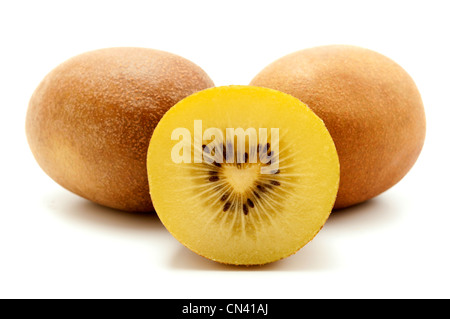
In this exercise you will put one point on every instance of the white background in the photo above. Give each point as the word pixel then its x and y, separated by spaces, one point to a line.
pixel 55 244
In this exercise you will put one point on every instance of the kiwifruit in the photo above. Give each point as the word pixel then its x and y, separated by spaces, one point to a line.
pixel 370 105
pixel 245 200
pixel 90 120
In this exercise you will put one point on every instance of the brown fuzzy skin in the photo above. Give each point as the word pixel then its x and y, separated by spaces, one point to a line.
pixel 90 120
pixel 370 105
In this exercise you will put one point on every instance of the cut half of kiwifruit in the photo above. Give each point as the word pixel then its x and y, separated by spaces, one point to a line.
pixel 242 175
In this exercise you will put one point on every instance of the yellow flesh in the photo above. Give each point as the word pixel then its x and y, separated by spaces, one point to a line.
pixel 286 215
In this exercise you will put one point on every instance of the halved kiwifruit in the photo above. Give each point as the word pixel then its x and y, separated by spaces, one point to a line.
pixel 242 175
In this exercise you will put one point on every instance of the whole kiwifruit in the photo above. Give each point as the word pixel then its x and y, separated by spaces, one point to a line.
pixel 370 105
pixel 90 120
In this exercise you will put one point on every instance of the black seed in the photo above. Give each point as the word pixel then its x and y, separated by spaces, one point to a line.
pixel 245 157
pixel 250 203
pixel 226 206
pixel 214 178
pixel 213 172
pixel 224 197
pixel 217 164
pixel 267 146
pixel 245 209
pixel 276 183
pixel 260 187
pixel 203 146
pixel 276 172
pixel 256 194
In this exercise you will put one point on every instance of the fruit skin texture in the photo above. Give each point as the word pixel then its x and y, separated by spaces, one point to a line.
pixel 370 105
pixel 90 120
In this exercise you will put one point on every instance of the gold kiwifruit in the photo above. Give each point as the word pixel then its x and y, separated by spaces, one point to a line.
pixel 370 105
pixel 90 120
pixel 242 175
